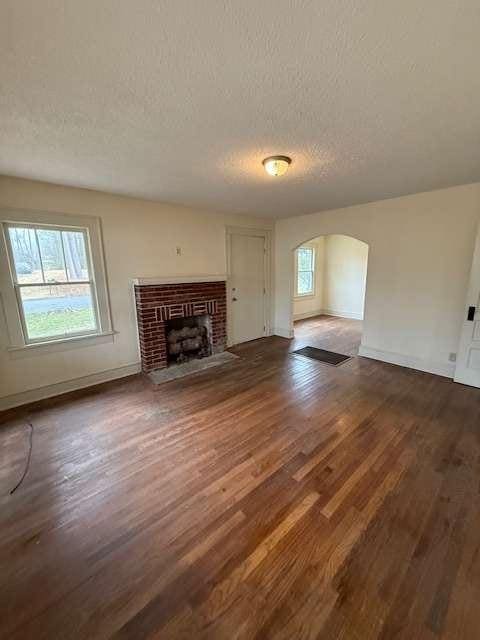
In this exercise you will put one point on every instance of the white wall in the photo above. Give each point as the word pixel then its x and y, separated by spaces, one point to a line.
pixel 420 252
pixel 340 275
pixel 140 240
pixel 345 276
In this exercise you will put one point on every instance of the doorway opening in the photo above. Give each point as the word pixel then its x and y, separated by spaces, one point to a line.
pixel 328 301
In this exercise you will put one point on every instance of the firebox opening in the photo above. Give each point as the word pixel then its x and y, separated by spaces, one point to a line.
pixel 188 338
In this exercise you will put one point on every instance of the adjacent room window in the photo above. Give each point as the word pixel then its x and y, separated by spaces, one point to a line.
pixel 305 271
pixel 53 281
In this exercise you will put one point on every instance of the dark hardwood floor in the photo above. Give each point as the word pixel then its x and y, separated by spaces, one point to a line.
pixel 272 497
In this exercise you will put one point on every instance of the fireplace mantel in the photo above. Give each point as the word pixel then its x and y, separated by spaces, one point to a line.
pixel 140 282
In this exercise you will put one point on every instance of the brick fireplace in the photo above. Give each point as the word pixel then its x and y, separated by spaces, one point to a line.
pixel 160 303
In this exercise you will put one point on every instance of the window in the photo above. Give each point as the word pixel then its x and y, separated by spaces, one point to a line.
pixel 53 281
pixel 305 271
pixel 56 279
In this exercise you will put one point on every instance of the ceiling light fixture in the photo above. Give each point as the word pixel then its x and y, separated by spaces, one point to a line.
pixel 277 165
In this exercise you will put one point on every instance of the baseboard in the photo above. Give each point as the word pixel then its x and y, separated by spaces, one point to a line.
pixel 33 395
pixel 429 366
pixel 353 315
pixel 328 312
pixel 307 314
pixel 283 333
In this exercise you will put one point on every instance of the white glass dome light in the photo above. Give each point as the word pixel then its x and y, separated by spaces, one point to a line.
pixel 277 165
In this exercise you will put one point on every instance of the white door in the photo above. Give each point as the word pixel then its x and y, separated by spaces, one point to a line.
pixel 468 356
pixel 247 287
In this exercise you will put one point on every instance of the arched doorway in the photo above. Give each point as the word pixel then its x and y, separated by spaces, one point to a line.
pixel 329 274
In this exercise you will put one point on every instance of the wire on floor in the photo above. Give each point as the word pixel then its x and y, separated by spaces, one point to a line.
pixel 29 456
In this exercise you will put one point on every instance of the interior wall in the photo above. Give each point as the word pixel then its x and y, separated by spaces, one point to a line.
pixel 140 240
pixel 420 252
pixel 345 275
pixel 340 276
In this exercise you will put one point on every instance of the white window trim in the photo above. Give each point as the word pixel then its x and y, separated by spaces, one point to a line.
pixel 310 294
pixel 8 294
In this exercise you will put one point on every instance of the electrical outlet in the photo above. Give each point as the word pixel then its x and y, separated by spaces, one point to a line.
pixel 452 357
pixel 179 251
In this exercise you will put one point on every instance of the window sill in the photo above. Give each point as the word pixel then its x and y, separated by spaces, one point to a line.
pixel 62 344
pixel 304 296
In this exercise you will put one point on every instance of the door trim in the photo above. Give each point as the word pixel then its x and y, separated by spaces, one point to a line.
pixel 267 274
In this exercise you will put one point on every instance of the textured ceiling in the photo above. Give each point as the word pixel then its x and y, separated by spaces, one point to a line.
pixel 180 101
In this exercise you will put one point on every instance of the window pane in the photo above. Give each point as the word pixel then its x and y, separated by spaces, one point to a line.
pixel 75 255
pixel 58 310
pixel 52 255
pixel 305 282
pixel 25 254
pixel 305 259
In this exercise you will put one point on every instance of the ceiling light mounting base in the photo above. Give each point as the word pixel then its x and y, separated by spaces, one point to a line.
pixel 277 165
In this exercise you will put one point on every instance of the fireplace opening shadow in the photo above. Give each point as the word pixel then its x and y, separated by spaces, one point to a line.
pixel 188 338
